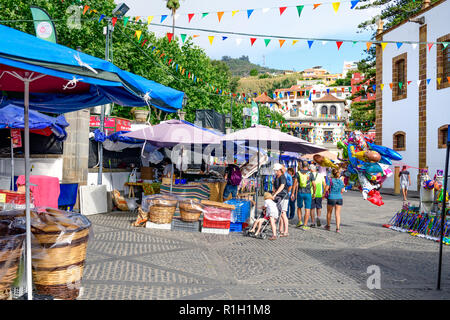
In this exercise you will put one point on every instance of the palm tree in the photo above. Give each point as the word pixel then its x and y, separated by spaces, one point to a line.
pixel 173 5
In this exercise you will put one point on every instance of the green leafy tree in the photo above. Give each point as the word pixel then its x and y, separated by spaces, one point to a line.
pixel 253 72
pixel 129 54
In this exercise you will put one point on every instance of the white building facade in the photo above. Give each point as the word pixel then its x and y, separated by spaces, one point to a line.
pixel 412 117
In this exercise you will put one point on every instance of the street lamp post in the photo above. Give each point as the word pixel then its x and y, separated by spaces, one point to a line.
pixel 120 10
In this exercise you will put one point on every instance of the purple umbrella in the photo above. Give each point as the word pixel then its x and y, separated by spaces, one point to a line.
pixel 173 132
pixel 273 139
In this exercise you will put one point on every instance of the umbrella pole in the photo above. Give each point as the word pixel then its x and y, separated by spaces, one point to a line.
pixel 12 162
pixel 27 189
pixel 257 183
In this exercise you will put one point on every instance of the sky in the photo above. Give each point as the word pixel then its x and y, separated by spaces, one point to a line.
pixel 322 23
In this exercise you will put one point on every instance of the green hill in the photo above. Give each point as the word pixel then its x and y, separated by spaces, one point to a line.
pixel 242 66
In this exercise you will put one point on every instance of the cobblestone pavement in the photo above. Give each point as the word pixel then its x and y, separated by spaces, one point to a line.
pixel 125 262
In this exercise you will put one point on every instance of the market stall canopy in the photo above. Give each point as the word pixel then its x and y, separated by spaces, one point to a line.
pixel 274 139
pixel 64 80
pixel 12 117
pixel 173 132
pixel 327 154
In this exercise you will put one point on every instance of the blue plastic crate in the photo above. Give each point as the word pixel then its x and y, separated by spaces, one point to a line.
pixel 236 227
pixel 242 209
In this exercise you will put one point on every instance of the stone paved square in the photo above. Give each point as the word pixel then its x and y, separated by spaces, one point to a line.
pixel 129 263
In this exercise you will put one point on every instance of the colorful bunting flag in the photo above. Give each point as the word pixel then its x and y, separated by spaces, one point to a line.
pixel 163 17
pixel 125 21
pixel 234 12
pixel 383 45
pixel 252 40
pixel 282 10
pixel 138 34
pixel 339 44
pixel 114 20
pixel 219 15
pixel 294 42
pixel 399 44
pixel 85 9
pixel 149 20
pixel 281 42
pixel 190 16
pixel 418 82
pixel 316 5
pixel 183 37
pixel 211 39
pixel 336 6
pixel 428 81
pixel 101 17
pixel 354 3
pixel 310 42
pixel 299 10
pixel 400 85
pixel 196 35
pixel 169 36
pixel 267 41
pixel 438 80
pixel 249 12
pixel 429 46
pixel 224 38
pixel 368 45
pixel 205 14
pixel 391 85
pixel 381 86
pixel 136 19
pixel 444 45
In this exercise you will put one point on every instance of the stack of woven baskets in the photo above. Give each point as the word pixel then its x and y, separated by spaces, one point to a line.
pixel 59 252
pixel 12 236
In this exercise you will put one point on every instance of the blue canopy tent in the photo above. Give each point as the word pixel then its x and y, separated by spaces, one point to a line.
pixel 12 117
pixel 49 77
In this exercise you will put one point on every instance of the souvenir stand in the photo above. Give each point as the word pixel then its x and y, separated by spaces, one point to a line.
pixel 57 79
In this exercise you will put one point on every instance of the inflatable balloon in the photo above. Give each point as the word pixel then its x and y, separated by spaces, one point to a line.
pixel 367 156
pixel 375 198
pixel 324 161
pixel 428 185
pixel 384 151
pixel 343 146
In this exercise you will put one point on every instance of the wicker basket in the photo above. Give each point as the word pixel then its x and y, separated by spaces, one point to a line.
pixel 162 209
pixel 190 211
pixel 11 241
pixel 59 253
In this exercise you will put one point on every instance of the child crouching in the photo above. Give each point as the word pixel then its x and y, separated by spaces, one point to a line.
pixel 271 214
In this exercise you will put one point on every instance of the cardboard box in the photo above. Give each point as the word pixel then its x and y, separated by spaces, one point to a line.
pixel 147 173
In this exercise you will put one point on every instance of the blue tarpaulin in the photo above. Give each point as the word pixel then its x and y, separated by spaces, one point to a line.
pixel 13 117
pixel 66 80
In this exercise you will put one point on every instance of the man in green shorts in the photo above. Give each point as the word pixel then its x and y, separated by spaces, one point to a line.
pixel 316 202
pixel 305 189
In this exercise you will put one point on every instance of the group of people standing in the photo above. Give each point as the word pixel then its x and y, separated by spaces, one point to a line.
pixel 307 188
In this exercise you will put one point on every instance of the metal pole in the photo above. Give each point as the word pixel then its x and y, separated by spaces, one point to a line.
pixel 102 114
pixel 12 161
pixel 444 196
pixel 27 188
pixel 257 181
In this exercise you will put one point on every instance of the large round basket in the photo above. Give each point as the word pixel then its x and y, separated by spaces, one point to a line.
pixel 190 211
pixel 11 240
pixel 162 209
pixel 59 253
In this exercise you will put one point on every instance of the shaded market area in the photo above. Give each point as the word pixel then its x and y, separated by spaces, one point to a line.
pixel 94 206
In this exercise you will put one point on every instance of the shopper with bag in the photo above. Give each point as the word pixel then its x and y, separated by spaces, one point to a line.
pixel 233 176
pixel 281 196
pixel 305 188
pixel 335 189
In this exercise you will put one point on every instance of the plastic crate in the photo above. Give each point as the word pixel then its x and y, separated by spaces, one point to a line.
pixel 216 224
pixel 236 227
pixel 14 197
pixel 242 211
pixel 179 225
pixel 215 230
